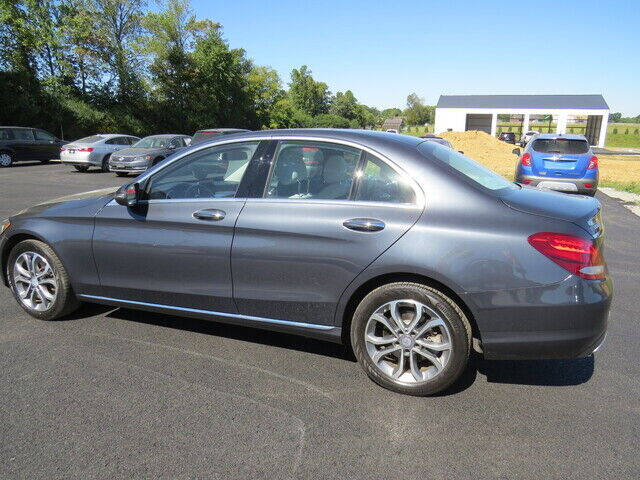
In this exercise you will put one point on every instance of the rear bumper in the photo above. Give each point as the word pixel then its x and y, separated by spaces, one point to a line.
pixel 561 184
pixel 564 320
pixel 88 159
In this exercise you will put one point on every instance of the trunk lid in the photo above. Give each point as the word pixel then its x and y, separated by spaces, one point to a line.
pixel 578 209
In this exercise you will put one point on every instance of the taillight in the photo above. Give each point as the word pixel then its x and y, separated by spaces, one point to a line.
pixel 85 149
pixel 526 182
pixel 526 160
pixel 593 163
pixel 62 149
pixel 578 255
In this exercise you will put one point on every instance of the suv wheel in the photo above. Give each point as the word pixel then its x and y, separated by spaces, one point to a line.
pixel 411 338
pixel 39 281
pixel 5 159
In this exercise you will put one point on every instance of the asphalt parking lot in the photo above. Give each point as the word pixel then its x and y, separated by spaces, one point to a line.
pixel 114 393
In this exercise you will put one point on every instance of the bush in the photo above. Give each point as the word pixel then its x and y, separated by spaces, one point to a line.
pixel 615 131
pixel 626 132
pixel 635 132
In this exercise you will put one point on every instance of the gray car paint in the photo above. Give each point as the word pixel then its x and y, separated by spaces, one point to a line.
pixel 298 272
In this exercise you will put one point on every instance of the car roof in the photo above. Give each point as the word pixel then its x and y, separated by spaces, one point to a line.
pixel 167 135
pixel 568 136
pixel 24 128
pixel 222 130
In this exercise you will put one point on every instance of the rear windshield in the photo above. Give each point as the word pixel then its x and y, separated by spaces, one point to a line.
pixel 560 145
pixel 91 139
pixel 465 166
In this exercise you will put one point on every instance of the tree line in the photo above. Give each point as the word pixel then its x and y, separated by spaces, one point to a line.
pixel 76 67
pixel 618 118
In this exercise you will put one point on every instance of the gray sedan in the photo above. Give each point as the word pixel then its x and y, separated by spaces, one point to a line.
pixel 95 150
pixel 147 152
pixel 405 250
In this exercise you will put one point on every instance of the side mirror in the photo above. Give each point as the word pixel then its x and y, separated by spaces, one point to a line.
pixel 516 151
pixel 171 146
pixel 127 195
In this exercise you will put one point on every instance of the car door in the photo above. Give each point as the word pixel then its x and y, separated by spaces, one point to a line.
pixel 173 249
pixel 328 211
pixel 46 144
pixel 23 144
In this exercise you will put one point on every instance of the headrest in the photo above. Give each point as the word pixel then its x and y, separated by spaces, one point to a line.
pixel 290 167
pixel 335 169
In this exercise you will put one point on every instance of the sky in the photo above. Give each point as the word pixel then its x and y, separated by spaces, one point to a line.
pixel 383 51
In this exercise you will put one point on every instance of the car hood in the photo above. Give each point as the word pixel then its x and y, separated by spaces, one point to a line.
pixel 573 208
pixel 133 152
pixel 91 201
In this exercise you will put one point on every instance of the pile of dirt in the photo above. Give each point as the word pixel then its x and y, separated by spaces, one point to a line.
pixel 485 149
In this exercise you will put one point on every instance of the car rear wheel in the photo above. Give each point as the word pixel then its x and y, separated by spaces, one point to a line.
pixel 105 164
pixel 81 168
pixel 39 281
pixel 411 338
pixel 6 160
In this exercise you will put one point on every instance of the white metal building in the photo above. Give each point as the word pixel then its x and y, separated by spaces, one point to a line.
pixel 480 112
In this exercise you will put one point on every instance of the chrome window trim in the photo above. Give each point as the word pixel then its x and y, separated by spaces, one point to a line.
pixel 273 321
pixel 420 197
pixel 320 201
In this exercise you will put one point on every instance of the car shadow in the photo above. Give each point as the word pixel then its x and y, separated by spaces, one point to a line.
pixel 235 332
pixel 521 372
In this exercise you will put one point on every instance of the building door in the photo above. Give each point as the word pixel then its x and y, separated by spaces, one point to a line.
pixel 594 123
pixel 480 122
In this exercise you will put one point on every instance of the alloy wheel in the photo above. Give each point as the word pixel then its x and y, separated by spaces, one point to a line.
pixel 408 341
pixel 35 281
pixel 5 159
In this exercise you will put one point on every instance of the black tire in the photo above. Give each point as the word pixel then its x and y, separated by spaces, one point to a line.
pixel 81 168
pixel 6 159
pixel 121 174
pixel 445 307
pixel 65 301
pixel 105 164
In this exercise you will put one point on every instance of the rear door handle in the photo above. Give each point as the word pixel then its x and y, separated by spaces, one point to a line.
pixel 364 224
pixel 210 214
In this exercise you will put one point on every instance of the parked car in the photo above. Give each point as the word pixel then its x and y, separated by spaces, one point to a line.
pixel 368 250
pixel 559 162
pixel 145 153
pixel 24 143
pixel 508 137
pixel 95 150
pixel 202 135
pixel 434 138
pixel 527 136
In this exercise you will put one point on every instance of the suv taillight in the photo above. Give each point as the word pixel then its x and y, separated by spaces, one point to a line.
pixel 526 160
pixel 578 255
pixel 593 163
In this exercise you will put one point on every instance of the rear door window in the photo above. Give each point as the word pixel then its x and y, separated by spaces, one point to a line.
pixel 378 182
pixel 22 134
pixel 44 136
pixel 5 134
pixel 560 145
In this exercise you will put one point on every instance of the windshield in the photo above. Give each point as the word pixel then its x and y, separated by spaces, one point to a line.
pixel 153 142
pixel 560 145
pixel 464 165
pixel 91 139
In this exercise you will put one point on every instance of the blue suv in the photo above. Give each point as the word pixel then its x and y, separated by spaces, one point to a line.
pixel 559 162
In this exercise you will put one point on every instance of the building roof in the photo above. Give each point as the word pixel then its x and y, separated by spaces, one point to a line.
pixel 551 102
pixel 393 122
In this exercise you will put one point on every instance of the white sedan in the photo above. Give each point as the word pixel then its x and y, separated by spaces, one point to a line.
pixel 94 151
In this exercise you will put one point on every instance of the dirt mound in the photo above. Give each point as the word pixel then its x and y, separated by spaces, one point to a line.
pixel 485 149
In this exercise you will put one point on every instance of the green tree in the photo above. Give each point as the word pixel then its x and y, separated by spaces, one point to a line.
pixel 344 105
pixel 308 95
pixel 615 117
pixel 417 113
pixel 265 91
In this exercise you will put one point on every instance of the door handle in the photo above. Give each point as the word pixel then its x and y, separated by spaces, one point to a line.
pixel 364 224
pixel 211 214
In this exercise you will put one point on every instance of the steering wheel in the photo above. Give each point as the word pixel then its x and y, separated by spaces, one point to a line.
pixel 198 190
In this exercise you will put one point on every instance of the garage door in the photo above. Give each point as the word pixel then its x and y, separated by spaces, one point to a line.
pixel 481 122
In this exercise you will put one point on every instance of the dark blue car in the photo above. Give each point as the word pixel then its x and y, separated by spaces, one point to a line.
pixel 559 162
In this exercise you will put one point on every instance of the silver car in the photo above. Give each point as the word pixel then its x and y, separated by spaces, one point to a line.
pixel 94 151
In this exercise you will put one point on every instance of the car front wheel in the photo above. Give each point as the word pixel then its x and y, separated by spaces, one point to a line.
pixel 39 281
pixel 411 338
